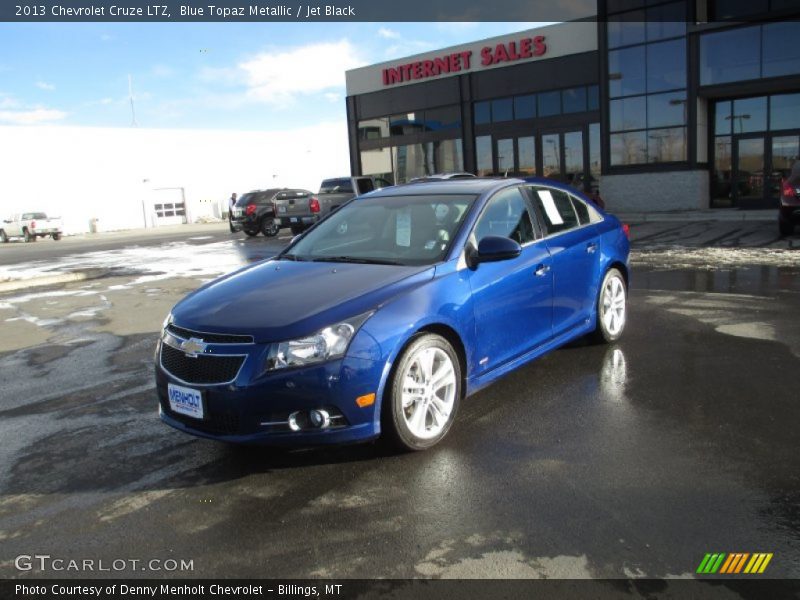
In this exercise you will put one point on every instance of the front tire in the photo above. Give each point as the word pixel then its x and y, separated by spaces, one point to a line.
pixel 423 394
pixel 612 307
pixel 785 227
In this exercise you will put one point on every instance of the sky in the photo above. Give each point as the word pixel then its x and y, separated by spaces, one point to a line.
pixel 232 76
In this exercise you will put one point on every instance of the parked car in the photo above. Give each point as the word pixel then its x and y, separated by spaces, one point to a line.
pixel 254 213
pixel 789 211
pixel 385 315
pixel 29 226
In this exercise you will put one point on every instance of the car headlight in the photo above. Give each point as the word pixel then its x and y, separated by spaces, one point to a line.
pixel 327 344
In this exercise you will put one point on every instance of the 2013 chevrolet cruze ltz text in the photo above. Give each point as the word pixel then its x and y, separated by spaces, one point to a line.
pixel 380 319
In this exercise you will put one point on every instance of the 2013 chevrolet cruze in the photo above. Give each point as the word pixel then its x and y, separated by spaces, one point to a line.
pixel 385 315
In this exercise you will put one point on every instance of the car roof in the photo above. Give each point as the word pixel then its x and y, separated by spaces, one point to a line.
pixel 472 185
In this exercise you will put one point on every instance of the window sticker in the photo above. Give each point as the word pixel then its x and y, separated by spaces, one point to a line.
pixel 550 207
pixel 403 232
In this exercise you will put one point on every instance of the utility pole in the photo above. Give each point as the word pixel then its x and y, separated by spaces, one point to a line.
pixel 130 95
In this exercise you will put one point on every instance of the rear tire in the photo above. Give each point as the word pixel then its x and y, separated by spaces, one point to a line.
pixel 612 308
pixel 269 227
pixel 785 227
pixel 3 236
pixel 297 229
pixel 26 235
pixel 422 394
pixel 56 236
pixel 251 232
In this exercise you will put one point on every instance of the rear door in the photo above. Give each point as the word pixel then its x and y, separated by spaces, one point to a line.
pixel 574 246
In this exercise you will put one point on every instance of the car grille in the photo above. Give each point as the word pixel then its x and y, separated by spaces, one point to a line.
pixel 205 369
pixel 210 338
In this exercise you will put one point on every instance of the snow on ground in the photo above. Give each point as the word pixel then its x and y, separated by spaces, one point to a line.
pixel 684 257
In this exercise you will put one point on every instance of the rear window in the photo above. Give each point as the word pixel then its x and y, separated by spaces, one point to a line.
pixel 288 194
pixel 336 186
pixel 28 216
pixel 256 197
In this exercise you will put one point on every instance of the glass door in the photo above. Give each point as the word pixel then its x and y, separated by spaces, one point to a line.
pixel 564 157
pixel 785 151
pixel 748 171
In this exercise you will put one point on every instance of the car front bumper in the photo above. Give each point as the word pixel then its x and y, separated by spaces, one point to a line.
pixel 255 408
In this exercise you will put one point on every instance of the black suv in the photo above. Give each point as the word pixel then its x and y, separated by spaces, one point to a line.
pixel 254 212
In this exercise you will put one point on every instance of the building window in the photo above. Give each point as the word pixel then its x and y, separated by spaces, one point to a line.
pixel 629 148
pixel 626 72
pixel 647 86
pixel 549 104
pixel 483 153
pixel 443 118
pixel 417 160
pixel 593 97
pixel 502 110
pixel 730 56
pixel 781 43
pixel 574 100
pixel 373 129
pixel 527 156
pixel 483 113
pixel 525 107
pixel 595 167
pixel 784 111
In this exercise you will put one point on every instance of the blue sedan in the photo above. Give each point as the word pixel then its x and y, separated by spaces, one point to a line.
pixel 380 319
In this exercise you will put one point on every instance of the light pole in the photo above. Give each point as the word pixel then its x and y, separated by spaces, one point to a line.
pixel 739 118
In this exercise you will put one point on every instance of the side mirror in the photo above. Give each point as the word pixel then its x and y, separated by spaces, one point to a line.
pixel 494 248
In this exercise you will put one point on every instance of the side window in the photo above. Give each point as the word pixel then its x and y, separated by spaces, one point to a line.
pixel 506 215
pixel 556 209
pixel 364 186
pixel 581 210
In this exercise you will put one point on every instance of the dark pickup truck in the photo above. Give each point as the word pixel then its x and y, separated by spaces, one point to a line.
pixel 255 211
pixel 301 212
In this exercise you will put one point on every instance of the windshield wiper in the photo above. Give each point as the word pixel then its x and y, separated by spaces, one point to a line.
pixel 356 259
pixel 290 257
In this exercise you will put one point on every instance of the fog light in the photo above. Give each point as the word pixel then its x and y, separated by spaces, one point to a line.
pixel 319 418
pixel 293 424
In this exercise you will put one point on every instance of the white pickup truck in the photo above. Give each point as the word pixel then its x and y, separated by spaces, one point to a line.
pixel 29 226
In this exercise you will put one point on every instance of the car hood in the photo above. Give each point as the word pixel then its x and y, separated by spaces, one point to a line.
pixel 280 300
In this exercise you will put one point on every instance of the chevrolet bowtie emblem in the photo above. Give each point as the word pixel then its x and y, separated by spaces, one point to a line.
pixel 193 346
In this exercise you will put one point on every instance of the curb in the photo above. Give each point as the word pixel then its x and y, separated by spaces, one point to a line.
pixel 21 284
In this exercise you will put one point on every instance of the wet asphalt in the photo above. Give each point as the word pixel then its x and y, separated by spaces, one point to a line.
pixel 629 460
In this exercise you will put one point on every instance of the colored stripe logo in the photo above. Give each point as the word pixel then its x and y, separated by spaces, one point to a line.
pixel 734 563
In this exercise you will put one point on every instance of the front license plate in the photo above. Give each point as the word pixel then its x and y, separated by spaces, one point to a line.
pixel 185 401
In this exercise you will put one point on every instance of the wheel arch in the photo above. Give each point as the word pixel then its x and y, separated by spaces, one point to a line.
pixel 620 266
pixel 451 335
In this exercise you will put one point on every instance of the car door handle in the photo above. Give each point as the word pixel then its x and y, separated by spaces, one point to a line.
pixel 591 247
pixel 541 270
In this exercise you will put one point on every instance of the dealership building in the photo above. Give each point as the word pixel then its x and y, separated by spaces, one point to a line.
pixel 662 105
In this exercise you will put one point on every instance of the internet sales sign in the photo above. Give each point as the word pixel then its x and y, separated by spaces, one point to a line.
pixel 462 61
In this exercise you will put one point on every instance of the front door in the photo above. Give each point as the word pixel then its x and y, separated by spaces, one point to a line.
pixel 512 299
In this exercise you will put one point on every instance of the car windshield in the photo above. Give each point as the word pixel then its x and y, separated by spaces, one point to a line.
pixel 402 230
